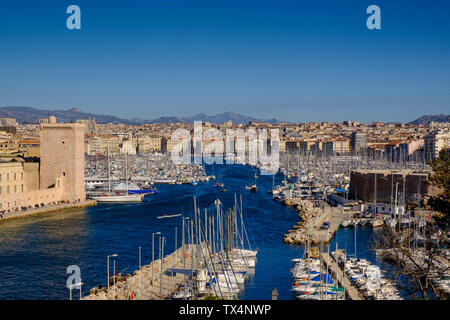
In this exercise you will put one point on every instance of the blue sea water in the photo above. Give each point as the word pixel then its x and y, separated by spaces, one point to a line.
pixel 36 251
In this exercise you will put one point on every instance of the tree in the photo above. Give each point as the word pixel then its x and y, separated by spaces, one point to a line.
pixel 424 263
pixel 441 179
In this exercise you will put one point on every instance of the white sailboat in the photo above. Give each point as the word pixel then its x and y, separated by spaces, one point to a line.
pixel 118 198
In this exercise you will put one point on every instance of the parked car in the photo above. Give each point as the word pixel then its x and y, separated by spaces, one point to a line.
pixel 325 225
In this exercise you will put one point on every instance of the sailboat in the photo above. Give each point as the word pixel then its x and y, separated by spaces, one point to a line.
pixel 118 198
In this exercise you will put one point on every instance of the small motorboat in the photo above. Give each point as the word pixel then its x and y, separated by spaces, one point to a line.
pixel 169 216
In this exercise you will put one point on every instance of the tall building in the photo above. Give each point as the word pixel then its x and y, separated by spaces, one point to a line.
pixel 8 122
pixel 90 126
pixel 336 146
pixel 57 178
pixel 435 142
pixel 62 155
pixel 358 141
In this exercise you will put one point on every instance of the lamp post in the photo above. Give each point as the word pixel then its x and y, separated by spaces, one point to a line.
pixel 163 239
pixel 114 279
pixel 140 271
pixel 107 266
pixel 153 252
pixel 74 285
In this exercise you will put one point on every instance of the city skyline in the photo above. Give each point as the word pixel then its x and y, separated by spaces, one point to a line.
pixel 298 62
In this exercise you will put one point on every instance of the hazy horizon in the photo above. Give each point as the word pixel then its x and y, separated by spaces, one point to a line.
pixel 212 115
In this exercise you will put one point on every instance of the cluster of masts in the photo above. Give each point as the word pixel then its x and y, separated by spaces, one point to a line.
pixel 220 252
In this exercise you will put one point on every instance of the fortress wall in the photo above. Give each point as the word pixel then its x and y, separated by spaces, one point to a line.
pixel 362 185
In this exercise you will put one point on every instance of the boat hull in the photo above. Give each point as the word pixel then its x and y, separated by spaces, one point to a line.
pixel 119 199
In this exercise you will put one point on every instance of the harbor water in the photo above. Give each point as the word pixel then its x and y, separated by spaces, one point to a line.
pixel 36 251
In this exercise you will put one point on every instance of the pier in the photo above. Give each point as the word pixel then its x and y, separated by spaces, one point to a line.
pixel 340 277
pixel 313 218
pixel 141 286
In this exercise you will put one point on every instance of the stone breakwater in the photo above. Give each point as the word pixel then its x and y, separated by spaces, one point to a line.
pixel 312 217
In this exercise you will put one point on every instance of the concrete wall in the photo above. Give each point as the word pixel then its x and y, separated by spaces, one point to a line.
pixel 31 176
pixel 32 199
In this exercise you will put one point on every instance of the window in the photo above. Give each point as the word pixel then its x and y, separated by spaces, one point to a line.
pixel 21 176
pixel 21 187
pixel 0 177
pixel 7 189
pixel 7 177
pixel 15 189
pixel 0 190
pixel 15 178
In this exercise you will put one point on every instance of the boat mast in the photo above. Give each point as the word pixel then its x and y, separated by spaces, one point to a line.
pixel 126 171
pixel 395 204
pixel 109 172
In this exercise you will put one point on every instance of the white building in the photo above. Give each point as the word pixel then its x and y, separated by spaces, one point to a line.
pixel 435 142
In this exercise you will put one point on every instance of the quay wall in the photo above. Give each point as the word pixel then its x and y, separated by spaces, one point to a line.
pixel 362 185
pixel 45 209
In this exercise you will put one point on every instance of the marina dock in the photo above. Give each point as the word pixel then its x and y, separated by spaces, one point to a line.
pixel 342 279
pixel 312 220
pixel 140 285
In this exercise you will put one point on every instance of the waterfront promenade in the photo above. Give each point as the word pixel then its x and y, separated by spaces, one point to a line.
pixel 46 209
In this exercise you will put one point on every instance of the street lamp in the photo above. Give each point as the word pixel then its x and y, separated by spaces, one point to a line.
pixel 107 266
pixel 163 240
pixel 153 252
pixel 74 285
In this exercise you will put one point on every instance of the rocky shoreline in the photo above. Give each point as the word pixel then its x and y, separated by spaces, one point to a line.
pixel 312 217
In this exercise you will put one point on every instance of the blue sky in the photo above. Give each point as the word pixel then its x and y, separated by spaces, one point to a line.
pixel 293 60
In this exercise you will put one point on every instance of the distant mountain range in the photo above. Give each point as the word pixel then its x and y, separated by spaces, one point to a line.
pixel 32 115
pixel 436 118
pixel 219 118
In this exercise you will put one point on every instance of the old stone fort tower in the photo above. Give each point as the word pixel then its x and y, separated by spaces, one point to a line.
pixel 57 178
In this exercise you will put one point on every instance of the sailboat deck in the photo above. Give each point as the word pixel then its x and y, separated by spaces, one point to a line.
pixel 351 291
